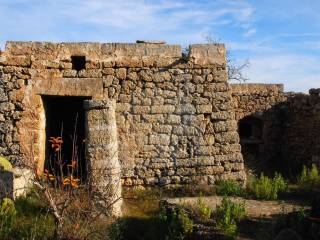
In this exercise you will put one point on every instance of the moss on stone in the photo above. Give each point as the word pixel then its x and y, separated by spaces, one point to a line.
pixel 5 164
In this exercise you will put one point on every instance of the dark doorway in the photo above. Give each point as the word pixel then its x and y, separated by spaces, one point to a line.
pixel 250 128
pixel 251 139
pixel 65 120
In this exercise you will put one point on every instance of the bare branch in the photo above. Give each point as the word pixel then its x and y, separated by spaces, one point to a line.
pixel 235 71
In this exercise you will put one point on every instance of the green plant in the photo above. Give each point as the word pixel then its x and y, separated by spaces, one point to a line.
pixel 180 226
pixel 301 214
pixel 228 214
pixel 7 216
pixel 267 188
pixel 116 229
pixel 32 219
pixel 204 211
pixel 228 188
pixel 309 178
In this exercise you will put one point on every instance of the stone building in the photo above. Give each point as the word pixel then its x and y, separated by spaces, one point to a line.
pixel 279 131
pixel 148 114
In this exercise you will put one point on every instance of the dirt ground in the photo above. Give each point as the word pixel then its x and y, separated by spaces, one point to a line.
pixel 255 208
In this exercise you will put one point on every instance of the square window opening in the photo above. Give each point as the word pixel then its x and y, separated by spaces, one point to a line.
pixel 78 62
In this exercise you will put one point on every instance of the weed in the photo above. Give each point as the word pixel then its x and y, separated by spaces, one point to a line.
pixel 7 216
pixel 26 218
pixel 116 229
pixel 204 211
pixel 229 188
pixel 228 214
pixel 267 188
pixel 180 226
pixel 309 178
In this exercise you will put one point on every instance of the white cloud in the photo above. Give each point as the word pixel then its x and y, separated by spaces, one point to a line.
pixel 125 20
pixel 297 72
pixel 250 32
pixel 274 56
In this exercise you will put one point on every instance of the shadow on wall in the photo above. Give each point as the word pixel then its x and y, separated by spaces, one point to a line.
pixel 250 130
pixel 284 137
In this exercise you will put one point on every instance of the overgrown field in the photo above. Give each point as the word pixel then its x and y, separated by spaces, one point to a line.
pixel 150 213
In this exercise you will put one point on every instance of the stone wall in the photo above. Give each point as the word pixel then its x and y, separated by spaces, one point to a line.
pixel 174 114
pixel 255 98
pixel 260 106
pixel 290 131
pixel 301 130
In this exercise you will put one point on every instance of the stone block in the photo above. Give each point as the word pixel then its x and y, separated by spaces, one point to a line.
pixel 159 139
pixel 204 108
pixel 162 109
pixel 141 109
pixel 186 109
pixel 173 119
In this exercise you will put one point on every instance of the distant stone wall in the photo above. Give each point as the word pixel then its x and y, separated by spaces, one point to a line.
pixel 260 106
pixel 255 98
pixel 301 130
pixel 174 114
pixel 290 131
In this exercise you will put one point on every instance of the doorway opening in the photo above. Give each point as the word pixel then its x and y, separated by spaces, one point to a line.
pixel 250 131
pixel 65 137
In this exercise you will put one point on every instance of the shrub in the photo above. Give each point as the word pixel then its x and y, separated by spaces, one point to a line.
pixel 204 211
pixel 309 178
pixel 267 188
pixel 7 216
pixel 180 226
pixel 228 188
pixel 34 220
pixel 228 215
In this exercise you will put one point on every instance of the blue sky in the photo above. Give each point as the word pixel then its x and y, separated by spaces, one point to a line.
pixel 281 39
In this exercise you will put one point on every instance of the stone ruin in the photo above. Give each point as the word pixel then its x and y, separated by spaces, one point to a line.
pixel 149 114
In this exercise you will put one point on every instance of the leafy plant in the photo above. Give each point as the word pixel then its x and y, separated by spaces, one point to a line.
pixel 267 188
pixel 204 211
pixel 228 214
pixel 309 178
pixel 7 216
pixel 180 226
pixel 228 188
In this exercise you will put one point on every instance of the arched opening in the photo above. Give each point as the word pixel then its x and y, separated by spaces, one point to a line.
pixel 251 138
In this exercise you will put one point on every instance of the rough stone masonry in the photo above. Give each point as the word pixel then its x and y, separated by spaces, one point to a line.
pixel 173 113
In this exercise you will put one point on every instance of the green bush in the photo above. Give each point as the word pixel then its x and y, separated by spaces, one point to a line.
pixel 228 214
pixel 309 178
pixel 7 216
pixel 180 226
pixel 267 188
pixel 26 218
pixel 228 188
pixel 204 211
